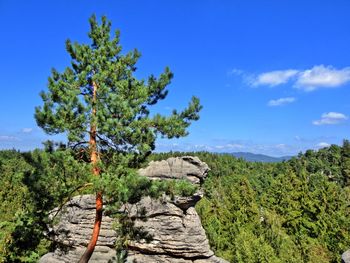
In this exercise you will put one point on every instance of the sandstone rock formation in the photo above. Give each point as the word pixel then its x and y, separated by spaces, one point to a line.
pixel 186 167
pixel 73 231
pixel 173 225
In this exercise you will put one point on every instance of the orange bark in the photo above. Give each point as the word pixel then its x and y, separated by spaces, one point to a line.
pixel 96 171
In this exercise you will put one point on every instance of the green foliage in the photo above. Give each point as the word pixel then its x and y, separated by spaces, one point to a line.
pixel 295 211
pixel 105 111
pixel 33 183
pixel 36 182
pixel 130 187
pixel 14 210
pixel 345 162
pixel 123 118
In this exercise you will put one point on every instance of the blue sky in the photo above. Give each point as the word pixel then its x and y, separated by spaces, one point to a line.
pixel 273 76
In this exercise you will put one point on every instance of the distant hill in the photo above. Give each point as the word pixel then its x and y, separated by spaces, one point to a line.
pixel 252 157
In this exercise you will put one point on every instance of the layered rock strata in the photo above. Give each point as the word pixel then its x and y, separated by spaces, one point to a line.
pixel 73 231
pixel 172 224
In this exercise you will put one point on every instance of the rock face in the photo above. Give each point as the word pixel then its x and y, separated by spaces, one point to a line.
pixel 173 227
pixel 186 167
pixel 73 231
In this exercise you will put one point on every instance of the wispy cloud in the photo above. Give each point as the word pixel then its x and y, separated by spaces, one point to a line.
pixel 229 147
pixel 330 118
pixel 322 77
pixel 235 71
pixel 317 77
pixel 322 145
pixel 281 101
pixel 274 78
pixel 247 78
pixel 7 138
pixel 27 130
pixel 298 138
pixel 312 141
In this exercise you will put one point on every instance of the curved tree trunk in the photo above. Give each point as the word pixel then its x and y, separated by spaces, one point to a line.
pixel 96 171
pixel 91 247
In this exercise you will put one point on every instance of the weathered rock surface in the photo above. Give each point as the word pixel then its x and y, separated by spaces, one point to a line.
pixel 172 225
pixel 186 167
pixel 345 257
pixel 74 229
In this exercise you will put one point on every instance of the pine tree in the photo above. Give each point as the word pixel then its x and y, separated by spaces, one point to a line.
pixel 98 103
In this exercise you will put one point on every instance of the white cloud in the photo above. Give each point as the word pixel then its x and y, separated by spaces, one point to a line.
pixel 323 144
pixel 276 149
pixel 319 76
pixel 322 77
pixel 229 146
pixel 330 118
pixel 274 78
pixel 281 101
pixel 6 138
pixel 239 146
pixel 235 71
pixel 27 130
pixel 280 146
pixel 246 77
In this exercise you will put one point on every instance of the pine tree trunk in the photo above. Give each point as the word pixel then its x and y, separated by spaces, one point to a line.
pixel 95 170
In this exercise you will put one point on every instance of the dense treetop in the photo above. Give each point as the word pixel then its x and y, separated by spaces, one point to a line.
pixel 101 80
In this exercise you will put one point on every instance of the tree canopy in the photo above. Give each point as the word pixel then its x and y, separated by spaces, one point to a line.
pixel 122 102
